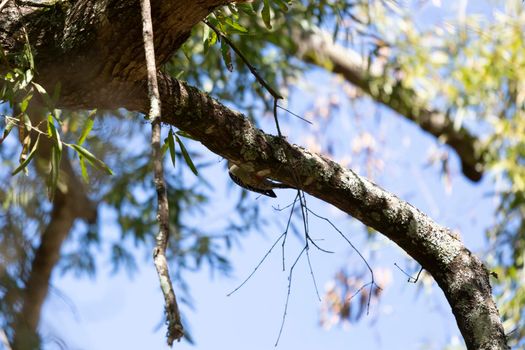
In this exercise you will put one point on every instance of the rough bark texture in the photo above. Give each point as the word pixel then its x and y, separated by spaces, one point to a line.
pixel 94 49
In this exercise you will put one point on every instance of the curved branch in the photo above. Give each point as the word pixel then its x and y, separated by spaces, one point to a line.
pixel 461 275
pixel 318 48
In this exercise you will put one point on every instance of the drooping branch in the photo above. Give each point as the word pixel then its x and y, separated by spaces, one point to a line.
pixel 175 328
pixel 318 48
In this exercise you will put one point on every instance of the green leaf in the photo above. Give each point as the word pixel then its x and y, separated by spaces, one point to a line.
pixel 53 133
pixel 186 156
pixel 186 135
pixel 28 77
pixel 45 96
pixel 27 122
pixel 171 143
pixel 40 88
pixel 29 54
pixel 226 55
pixel 25 103
pixel 83 169
pixel 235 26
pixel 205 33
pixel 26 161
pixel 9 126
pixel 90 157
pixel 56 156
pixel 87 126
pixel 210 41
pixel 282 5
pixel 266 15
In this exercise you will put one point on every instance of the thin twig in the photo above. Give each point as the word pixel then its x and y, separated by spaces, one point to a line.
pixel 304 214
pixel 360 289
pixel 239 53
pixel 357 251
pixel 410 278
pixel 288 227
pixel 175 328
pixel 312 274
pixel 258 265
pixel 276 118
pixel 276 96
pixel 288 295
pixel 295 114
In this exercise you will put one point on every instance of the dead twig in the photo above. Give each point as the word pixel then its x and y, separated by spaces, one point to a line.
pixel 175 328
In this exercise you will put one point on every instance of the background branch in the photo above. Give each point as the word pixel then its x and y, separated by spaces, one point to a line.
pixel 318 48
pixel 69 204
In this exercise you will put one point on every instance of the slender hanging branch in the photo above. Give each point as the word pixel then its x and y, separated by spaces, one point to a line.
pixel 276 96
pixel 175 329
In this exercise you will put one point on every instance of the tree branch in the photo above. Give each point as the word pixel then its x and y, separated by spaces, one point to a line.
pixel 460 274
pixel 175 328
pixel 69 204
pixel 317 47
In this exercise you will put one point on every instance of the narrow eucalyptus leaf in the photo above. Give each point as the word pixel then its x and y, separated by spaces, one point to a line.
pixel 83 169
pixel 24 164
pixel 226 55
pixel 265 13
pixel 186 156
pixel 171 143
pixel 90 157
pixel 90 121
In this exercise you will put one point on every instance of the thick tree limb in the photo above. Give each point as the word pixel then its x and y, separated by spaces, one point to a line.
pixel 460 274
pixel 317 47
pixel 97 57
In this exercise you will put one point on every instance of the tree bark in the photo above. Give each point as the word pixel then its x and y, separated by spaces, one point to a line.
pixel 94 49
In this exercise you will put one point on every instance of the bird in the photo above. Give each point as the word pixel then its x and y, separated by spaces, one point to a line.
pixel 251 181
